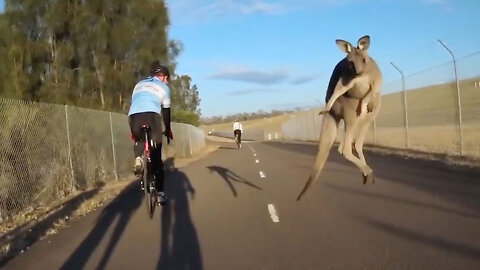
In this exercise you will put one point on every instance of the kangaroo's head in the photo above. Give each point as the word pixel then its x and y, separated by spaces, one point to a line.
pixel 357 57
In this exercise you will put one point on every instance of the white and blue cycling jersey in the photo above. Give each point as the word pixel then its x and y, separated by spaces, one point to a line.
pixel 150 95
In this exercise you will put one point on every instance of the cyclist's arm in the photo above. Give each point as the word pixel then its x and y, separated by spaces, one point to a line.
pixel 166 109
pixel 166 118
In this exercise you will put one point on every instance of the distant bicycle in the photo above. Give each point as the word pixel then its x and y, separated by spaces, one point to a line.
pixel 237 132
pixel 148 178
pixel 237 140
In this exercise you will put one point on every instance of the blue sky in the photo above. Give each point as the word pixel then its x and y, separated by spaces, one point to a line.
pixel 247 55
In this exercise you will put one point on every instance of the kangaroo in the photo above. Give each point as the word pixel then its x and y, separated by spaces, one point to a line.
pixel 353 95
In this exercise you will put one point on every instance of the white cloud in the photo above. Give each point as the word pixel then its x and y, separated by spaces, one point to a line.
pixel 250 91
pixel 200 11
pixel 436 2
pixel 252 76
pixel 445 4
pixel 303 80
pixel 195 11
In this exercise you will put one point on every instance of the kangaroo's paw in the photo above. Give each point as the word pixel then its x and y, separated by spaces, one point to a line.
pixel 359 109
pixel 368 178
pixel 323 111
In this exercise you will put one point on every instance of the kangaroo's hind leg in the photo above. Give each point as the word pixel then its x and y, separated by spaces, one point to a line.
pixel 351 125
pixel 365 122
pixel 363 130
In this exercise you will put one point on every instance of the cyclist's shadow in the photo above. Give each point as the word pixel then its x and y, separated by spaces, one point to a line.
pixel 121 210
pixel 183 250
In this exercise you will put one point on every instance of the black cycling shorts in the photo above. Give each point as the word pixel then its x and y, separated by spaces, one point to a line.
pixel 154 120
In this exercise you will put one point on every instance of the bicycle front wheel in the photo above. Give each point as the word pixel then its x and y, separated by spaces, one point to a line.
pixel 149 196
pixel 151 201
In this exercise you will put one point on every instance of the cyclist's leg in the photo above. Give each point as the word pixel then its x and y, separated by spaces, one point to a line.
pixel 157 137
pixel 239 136
pixel 136 121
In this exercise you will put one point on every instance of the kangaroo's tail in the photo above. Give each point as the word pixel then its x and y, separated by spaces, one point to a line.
pixel 327 137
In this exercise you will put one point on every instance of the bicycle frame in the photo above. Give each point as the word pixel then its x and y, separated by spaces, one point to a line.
pixel 237 141
pixel 146 147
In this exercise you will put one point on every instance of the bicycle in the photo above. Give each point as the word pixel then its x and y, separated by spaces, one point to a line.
pixel 148 178
pixel 237 140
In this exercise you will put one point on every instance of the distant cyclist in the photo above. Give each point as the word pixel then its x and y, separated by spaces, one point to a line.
pixel 237 131
pixel 151 102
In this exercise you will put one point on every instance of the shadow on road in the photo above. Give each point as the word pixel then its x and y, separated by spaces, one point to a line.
pixel 456 184
pixel 229 148
pixel 228 175
pixel 121 209
pixel 435 241
pixel 425 205
pixel 180 246
pixel 39 229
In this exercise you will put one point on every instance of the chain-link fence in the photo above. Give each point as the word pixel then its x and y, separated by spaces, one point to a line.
pixel 428 118
pixel 48 151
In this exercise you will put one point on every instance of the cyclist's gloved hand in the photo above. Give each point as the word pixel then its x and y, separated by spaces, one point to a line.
pixel 169 135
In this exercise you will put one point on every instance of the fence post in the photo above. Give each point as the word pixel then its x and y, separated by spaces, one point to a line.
pixel 312 114
pixel 404 104
pixel 69 147
pixel 113 149
pixel 189 141
pixel 458 97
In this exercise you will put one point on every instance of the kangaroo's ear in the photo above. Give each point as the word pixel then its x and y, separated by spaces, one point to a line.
pixel 364 43
pixel 344 46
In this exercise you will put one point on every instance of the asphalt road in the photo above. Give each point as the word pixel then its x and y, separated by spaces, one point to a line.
pixel 224 215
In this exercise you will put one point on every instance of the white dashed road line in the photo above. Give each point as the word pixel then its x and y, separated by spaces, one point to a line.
pixel 271 207
pixel 273 213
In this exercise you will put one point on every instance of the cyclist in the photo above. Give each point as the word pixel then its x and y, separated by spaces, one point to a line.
pixel 150 102
pixel 238 129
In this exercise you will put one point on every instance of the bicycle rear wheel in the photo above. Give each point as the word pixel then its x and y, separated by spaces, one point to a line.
pixel 237 141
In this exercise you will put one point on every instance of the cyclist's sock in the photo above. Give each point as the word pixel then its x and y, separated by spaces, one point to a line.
pixel 138 149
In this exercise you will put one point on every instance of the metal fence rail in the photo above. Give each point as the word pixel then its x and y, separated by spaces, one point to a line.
pixel 48 151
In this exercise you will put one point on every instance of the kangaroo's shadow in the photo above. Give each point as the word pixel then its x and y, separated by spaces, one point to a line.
pixel 230 176
pixel 180 246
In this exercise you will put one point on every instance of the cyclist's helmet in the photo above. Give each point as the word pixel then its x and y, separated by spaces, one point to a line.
pixel 157 68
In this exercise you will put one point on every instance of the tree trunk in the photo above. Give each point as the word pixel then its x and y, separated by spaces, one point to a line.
pixel 53 54
pixel 99 78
